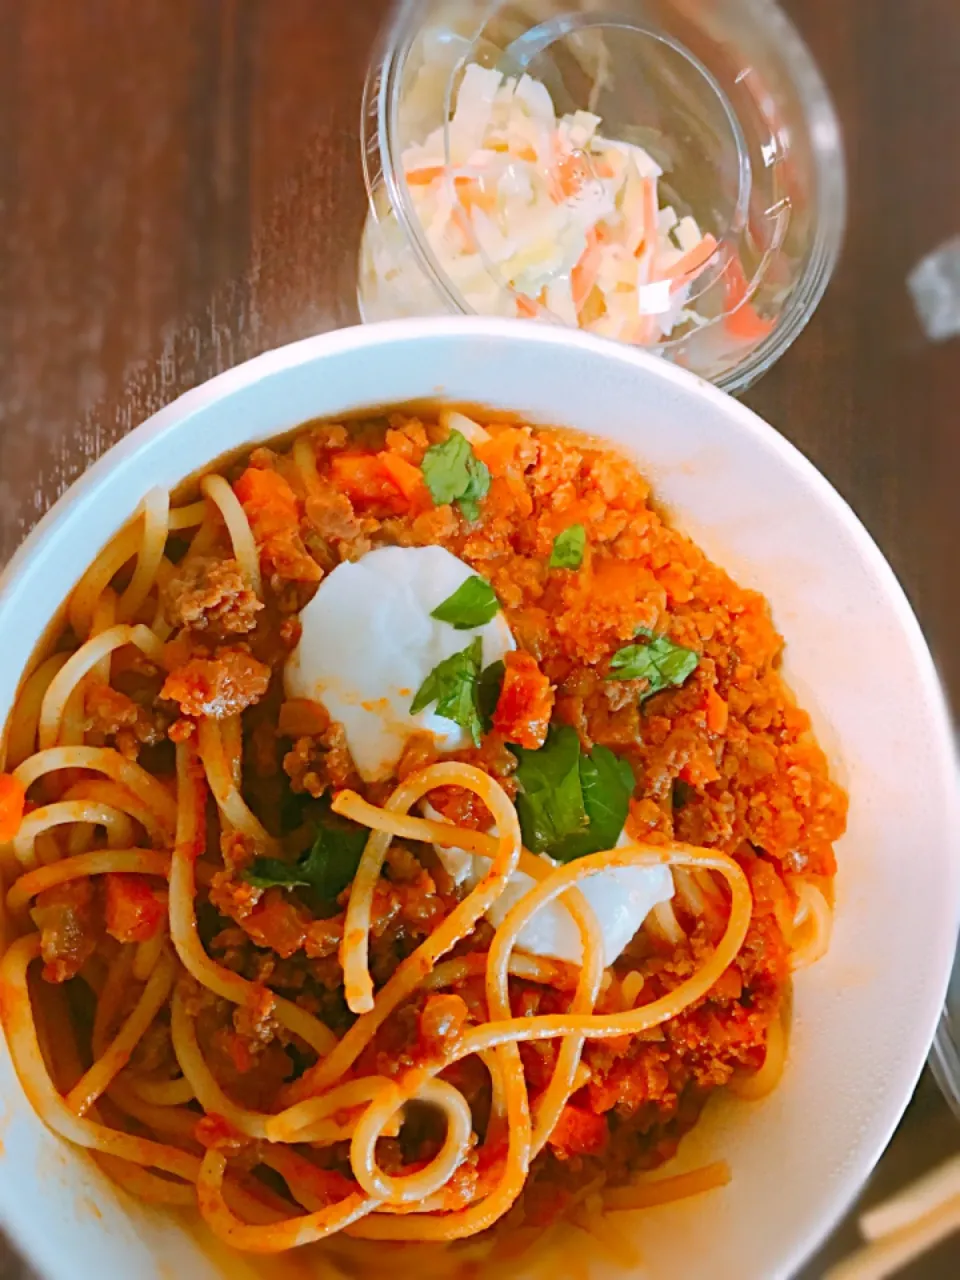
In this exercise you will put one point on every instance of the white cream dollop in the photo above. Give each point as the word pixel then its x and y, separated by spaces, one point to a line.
pixel 621 900
pixel 369 643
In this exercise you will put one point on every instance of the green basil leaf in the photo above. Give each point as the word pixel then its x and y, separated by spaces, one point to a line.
pixel 453 685
pixel 662 663
pixel 326 868
pixel 550 801
pixel 488 692
pixel 607 783
pixel 293 806
pixel 454 473
pixel 568 548
pixel 266 873
pixel 571 804
pixel 473 604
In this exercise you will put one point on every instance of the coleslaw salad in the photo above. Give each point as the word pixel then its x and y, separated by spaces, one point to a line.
pixel 542 216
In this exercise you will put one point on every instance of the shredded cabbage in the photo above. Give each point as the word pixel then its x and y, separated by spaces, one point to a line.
pixel 538 215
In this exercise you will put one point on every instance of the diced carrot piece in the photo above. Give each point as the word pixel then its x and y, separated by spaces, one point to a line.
pixel 500 451
pixel 273 510
pixel 277 924
pixel 718 713
pixel 134 910
pixel 408 479
pixel 578 1133
pixel 525 704
pixel 362 477
pixel 270 503
pixel 527 309
pixel 369 482
pixel 12 801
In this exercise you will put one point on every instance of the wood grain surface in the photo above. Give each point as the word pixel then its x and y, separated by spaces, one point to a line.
pixel 180 189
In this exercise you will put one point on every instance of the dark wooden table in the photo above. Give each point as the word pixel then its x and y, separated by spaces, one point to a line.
pixel 180 189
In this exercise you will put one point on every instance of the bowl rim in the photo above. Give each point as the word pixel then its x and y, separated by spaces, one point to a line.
pixel 159 431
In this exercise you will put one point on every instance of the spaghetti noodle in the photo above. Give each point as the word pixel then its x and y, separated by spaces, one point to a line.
pixel 309 1047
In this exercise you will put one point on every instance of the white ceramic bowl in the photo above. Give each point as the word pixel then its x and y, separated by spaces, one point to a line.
pixel 855 656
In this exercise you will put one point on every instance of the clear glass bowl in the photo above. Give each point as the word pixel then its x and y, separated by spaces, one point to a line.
pixel 724 96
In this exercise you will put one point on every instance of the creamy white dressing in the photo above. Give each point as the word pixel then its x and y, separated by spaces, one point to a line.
pixel 621 900
pixel 369 643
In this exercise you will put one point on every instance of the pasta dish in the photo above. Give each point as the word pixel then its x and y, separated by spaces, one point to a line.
pixel 407 831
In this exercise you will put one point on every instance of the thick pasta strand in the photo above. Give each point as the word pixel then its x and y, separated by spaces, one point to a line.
pixel 190 842
pixel 145 1185
pixel 103 791
pixel 96 580
pixel 22 728
pixel 101 862
pixel 118 826
pixel 145 786
pixel 161 1093
pixel 276 1237
pixel 648 1194
pixel 110 998
pixel 238 526
pixel 760 1083
pixel 77 666
pixel 202 1081
pixel 460 921
pixel 155 521
pixel 188 517
pixel 86 1091
pixel 813 927
pixel 296 1123
pixel 21 1035
pixel 220 773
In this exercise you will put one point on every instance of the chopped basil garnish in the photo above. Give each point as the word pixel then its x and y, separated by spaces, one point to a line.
pixel 571 804
pixel 550 802
pixel 568 548
pixel 488 692
pixel 608 784
pixel 473 604
pixel 453 686
pixel 662 663
pixel 454 473
pixel 326 868
pixel 681 794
